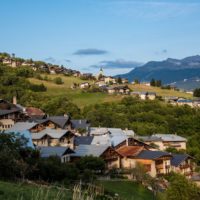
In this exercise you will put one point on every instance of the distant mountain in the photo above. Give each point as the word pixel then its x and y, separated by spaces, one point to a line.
pixel 169 71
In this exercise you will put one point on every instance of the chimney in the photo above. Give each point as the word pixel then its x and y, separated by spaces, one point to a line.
pixel 80 121
pixel 14 100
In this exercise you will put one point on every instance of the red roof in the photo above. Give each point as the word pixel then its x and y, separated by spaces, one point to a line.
pixel 129 150
pixel 31 111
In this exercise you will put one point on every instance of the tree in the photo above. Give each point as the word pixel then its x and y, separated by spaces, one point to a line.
pixel 181 189
pixel 196 92
pixel 153 82
pixel 119 80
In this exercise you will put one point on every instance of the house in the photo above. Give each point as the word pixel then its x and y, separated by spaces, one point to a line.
pixel 100 83
pixel 145 95
pixel 164 141
pixel 84 85
pixel 156 162
pixel 108 154
pixel 9 117
pixel 80 125
pixel 182 163
pixel 34 113
pixel 125 81
pixel 53 137
pixel 196 179
pixel 110 131
pixel 118 89
pixel 54 122
pixel 181 102
pixel 109 80
pixel 128 154
pixel 62 152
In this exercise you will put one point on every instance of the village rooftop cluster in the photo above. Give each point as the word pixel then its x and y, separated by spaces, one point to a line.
pixel 72 139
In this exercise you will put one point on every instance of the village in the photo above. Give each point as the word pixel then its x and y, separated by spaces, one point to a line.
pixel 72 139
pixel 99 82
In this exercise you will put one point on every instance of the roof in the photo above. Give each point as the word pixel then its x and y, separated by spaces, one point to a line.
pixel 80 123
pixel 20 126
pixel 111 131
pixel 34 111
pixel 163 137
pixel 108 139
pixel 177 159
pixel 129 150
pixel 54 151
pixel 184 101
pixel 6 112
pixel 24 133
pixel 151 155
pixel 83 140
pixel 87 150
pixel 170 137
pixel 59 120
pixel 53 133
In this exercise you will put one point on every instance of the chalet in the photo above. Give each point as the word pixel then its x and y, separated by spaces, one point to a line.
pixel 181 102
pixel 182 163
pixel 118 89
pixel 100 83
pixel 34 113
pixel 125 81
pixel 80 124
pixel 62 152
pixel 98 131
pixel 9 117
pixel 164 141
pixel 53 137
pixel 109 80
pixel 108 154
pixel 11 62
pixel 54 122
pixel 156 162
pixel 84 85
pixel 145 95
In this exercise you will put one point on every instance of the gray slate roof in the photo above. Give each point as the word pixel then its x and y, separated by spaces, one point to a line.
pixel 177 159
pixel 46 152
pixel 20 126
pixel 87 150
pixel 151 155
pixel 80 123
pixel 108 140
pixel 163 137
pixel 59 120
pixel 6 112
pixel 83 140
pixel 53 133
pixel 170 137
pixel 111 131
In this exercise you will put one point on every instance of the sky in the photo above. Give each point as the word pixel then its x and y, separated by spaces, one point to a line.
pixel 117 35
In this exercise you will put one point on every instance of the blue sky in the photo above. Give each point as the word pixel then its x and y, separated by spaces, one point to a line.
pixel 88 34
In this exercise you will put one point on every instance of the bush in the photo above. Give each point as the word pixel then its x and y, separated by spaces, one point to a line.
pixel 58 81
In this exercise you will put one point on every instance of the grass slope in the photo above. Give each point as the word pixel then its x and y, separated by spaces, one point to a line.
pixel 17 191
pixel 82 98
pixel 128 190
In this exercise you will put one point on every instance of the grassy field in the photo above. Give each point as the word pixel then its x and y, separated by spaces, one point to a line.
pixel 128 190
pixel 125 189
pixel 17 191
pixel 82 98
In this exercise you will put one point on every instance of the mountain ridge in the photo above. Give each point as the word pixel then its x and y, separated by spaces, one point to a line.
pixel 169 70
